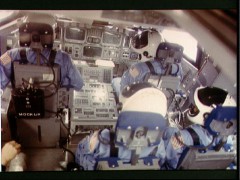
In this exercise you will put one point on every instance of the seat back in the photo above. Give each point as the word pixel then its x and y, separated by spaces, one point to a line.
pixel 137 130
pixel 220 122
pixel 137 134
pixel 210 159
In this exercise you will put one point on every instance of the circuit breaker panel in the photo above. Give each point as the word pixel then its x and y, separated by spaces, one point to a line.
pixel 94 104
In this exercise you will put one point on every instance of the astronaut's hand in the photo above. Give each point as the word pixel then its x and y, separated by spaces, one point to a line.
pixel 9 151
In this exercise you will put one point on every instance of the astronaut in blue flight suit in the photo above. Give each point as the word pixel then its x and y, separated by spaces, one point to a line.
pixel 37 53
pixel 70 76
pixel 198 134
pixel 146 44
pixel 140 105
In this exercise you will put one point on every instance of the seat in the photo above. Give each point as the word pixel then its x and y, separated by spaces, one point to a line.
pixel 221 122
pixel 35 89
pixel 206 159
pixel 138 134
pixel 136 142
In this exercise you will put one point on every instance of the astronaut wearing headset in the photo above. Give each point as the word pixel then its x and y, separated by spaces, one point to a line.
pixel 36 38
pixel 152 50
pixel 203 133
pixel 33 38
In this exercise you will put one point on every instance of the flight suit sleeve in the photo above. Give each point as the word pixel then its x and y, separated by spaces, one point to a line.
pixel 136 73
pixel 5 77
pixel 126 80
pixel 6 66
pixel 90 149
pixel 161 153
pixel 177 70
pixel 84 156
pixel 173 147
pixel 73 77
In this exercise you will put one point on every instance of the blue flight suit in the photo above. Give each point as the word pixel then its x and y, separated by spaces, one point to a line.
pixel 70 76
pixel 88 158
pixel 174 149
pixel 138 72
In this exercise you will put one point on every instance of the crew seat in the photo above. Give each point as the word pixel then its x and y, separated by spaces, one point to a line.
pixel 222 124
pixel 136 142
pixel 137 139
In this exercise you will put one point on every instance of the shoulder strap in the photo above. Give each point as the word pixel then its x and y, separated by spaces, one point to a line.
pixel 113 149
pixel 151 68
pixel 23 56
pixel 23 60
pixel 52 57
pixel 194 135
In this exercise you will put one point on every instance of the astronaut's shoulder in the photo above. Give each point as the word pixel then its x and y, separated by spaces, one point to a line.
pixel 12 53
pixel 138 64
pixel 14 50
pixel 62 54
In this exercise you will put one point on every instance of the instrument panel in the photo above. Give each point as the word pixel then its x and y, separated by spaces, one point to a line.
pixel 92 43
pixel 93 105
pixel 74 34
pixel 102 74
pixel 88 43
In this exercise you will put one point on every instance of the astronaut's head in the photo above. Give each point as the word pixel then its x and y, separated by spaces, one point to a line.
pixel 37 31
pixel 143 97
pixel 205 100
pixel 145 43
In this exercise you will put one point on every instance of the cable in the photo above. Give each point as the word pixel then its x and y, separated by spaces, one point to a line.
pixel 181 113
pixel 68 136
pixel 173 96
pixel 50 83
pixel 65 149
pixel 175 122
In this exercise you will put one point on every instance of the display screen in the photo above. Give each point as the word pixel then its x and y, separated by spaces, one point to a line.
pixel 91 51
pixel 110 38
pixel 75 33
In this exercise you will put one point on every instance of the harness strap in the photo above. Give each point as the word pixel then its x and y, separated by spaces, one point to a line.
pixel 52 57
pixel 113 149
pixel 23 56
pixel 151 68
pixel 194 135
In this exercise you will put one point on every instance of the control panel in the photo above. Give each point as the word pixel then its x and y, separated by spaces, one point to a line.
pixel 100 71
pixel 86 42
pixel 94 104
pixel 94 100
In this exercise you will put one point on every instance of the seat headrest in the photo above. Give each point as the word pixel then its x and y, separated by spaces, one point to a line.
pixel 222 121
pixel 36 32
pixel 134 126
